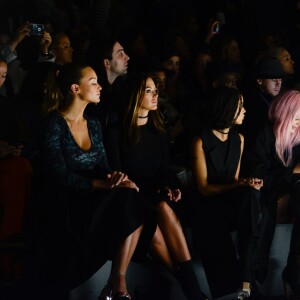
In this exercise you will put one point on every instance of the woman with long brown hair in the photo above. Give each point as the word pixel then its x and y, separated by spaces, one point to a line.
pixel 141 149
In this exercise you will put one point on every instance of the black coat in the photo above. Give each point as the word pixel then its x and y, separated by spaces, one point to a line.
pixel 265 164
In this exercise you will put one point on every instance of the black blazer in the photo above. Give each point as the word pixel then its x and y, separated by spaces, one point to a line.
pixel 264 163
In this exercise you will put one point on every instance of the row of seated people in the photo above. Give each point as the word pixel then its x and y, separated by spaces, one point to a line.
pixel 123 156
pixel 103 214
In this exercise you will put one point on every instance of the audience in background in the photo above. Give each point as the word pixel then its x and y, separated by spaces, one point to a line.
pixel 15 185
pixel 259 94
pixel 196 50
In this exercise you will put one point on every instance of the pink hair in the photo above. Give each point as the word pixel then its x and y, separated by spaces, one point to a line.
pixel 282 111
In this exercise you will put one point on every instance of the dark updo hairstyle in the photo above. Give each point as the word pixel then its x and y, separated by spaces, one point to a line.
pixel 223 104
pixel 59 84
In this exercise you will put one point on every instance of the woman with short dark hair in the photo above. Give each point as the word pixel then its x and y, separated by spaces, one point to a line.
pixel 222 203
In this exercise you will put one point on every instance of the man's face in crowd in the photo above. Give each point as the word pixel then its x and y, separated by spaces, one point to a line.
pixel 119 62
pixel 270 86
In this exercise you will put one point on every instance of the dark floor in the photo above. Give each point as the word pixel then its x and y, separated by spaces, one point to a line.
pixel 28 284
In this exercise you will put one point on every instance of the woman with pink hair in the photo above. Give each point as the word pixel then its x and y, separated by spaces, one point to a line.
pixel 276 159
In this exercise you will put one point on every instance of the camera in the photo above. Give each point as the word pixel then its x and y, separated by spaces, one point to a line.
pixel 216 28
pixel 36 29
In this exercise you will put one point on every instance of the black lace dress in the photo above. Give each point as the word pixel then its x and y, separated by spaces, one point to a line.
pixel 82 228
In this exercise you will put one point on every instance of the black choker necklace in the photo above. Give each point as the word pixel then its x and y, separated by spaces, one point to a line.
pixel 221 131
pixel 141 117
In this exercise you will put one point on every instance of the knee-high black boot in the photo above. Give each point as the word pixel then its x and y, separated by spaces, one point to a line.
pixel 188 281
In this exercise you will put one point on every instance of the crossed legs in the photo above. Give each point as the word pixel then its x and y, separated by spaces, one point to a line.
pixel 117 280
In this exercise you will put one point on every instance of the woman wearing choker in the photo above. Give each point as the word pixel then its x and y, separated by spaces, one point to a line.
pixel 221 203
pixel 141 149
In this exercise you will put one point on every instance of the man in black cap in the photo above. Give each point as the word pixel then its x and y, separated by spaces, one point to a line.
pixel 257 98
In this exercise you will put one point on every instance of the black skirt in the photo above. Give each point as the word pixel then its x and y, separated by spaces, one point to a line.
pixel 81 230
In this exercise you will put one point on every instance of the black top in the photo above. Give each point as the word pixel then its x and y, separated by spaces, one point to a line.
pixel 222 158
pixel 113 102
pixel 257 105
pixel 147 162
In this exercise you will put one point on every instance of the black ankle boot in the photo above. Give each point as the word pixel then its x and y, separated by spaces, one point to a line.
pixel 261 272
pixel 188 281
pixel 291 279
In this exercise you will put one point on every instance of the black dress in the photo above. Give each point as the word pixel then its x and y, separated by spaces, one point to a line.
pixel 220 211
pixel 82 228
pixel 215 217
pixel 147 163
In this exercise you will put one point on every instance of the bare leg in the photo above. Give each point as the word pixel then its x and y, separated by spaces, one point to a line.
pixel 122 260
pixel 173 234
pixel 176 243
pixel 160 251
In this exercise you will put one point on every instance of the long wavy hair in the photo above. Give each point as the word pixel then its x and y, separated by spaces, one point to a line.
pixel 155 118
pixel 284 108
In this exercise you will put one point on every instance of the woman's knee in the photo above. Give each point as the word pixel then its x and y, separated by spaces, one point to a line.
pixel 163 207
pixel 158 238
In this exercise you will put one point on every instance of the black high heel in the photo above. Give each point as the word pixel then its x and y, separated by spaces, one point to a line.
pixel 261 273
pixel 290 285
pixel 121 296
pixel 106 293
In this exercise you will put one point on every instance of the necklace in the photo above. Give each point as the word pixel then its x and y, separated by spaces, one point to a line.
pixel 221 131
pixel 143 117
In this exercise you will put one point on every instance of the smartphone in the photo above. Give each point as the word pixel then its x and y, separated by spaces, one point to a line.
pixel 36 29
pixel 216 28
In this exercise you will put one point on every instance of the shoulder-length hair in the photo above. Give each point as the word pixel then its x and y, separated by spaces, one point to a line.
pixel 224 107
pixel 284 108
pixel 155 118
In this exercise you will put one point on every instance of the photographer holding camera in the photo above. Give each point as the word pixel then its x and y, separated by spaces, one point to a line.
pixel 17 71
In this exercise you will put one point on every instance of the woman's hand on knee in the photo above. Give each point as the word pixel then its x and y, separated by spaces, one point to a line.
pixel 128 184
pixel 116 177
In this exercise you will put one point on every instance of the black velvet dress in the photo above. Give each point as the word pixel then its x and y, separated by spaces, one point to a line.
pixel 82 228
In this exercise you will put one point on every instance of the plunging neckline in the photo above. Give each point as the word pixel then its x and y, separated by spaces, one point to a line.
pixel 73 138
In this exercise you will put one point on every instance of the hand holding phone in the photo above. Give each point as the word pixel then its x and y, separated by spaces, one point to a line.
pixel 36 29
